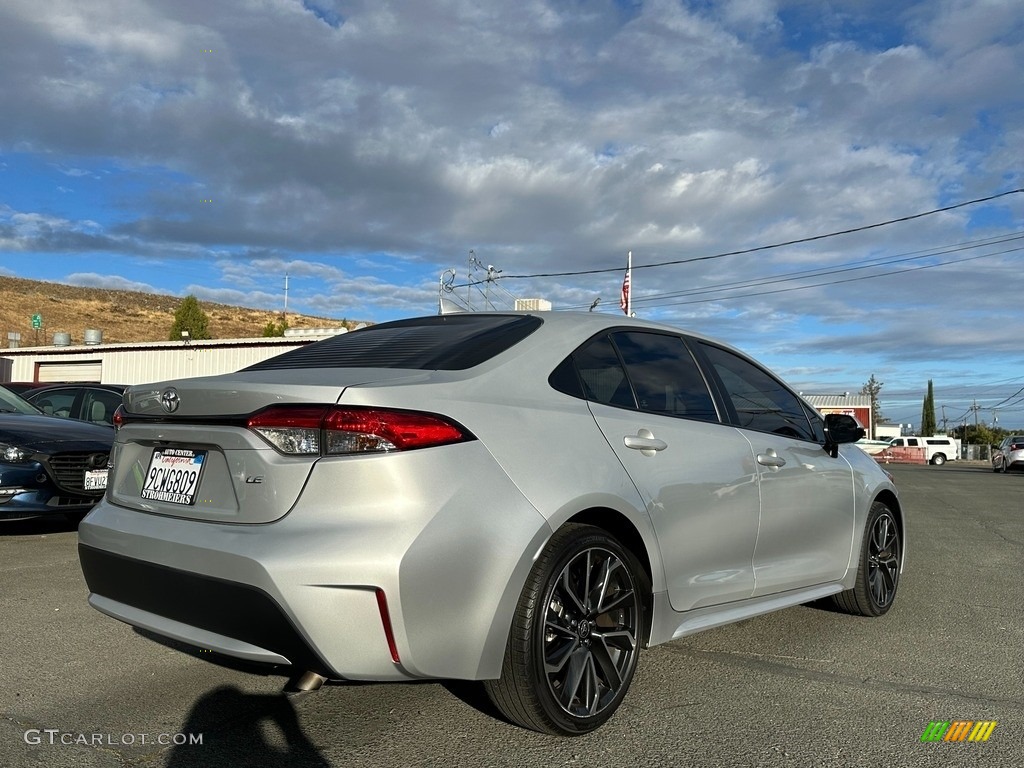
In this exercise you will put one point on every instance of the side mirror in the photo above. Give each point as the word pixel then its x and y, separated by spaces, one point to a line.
pixel 839 429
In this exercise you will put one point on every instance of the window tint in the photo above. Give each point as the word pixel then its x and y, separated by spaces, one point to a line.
pixel 99 406
pixel 601 374
pixel 760 400
pixel 441 342
pixel 12 403
pixel 56 402
pixel 665 376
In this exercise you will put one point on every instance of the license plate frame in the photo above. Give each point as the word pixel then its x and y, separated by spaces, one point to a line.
pixel 95 480
pixel 173 475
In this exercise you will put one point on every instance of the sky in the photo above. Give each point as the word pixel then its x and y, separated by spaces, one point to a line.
pixel 371 155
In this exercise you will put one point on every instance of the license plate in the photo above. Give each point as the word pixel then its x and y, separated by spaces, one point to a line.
pixel 173 475
pixel 95 479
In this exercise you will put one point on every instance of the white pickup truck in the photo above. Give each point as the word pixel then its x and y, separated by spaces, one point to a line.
pixel 938 449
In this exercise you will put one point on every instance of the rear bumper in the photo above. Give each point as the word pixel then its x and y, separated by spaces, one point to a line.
pixel 182 605
pixel 302 590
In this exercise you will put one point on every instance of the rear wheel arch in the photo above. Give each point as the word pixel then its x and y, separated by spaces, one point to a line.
pixel 622 528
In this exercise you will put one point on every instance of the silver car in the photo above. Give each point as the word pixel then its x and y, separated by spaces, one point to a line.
pixel 1009 454
pixel 521 499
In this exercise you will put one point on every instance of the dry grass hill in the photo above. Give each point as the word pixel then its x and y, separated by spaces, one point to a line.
pixel 123 316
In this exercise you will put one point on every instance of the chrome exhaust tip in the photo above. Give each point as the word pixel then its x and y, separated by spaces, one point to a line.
pixel 308 681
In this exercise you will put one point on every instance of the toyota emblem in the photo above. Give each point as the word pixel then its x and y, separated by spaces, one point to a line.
pixel 170 400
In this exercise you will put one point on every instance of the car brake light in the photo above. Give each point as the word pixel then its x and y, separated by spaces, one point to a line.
pixel 118 417
pixel 327 430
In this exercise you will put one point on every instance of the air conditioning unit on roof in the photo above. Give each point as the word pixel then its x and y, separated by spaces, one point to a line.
pixel 533 305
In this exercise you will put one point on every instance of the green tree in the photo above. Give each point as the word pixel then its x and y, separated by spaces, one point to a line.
pixel 275 329
pixel 928 412
pixel 189 316
pixel 871 388
pixel 971 434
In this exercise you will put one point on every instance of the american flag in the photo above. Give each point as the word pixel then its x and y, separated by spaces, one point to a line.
pixel 624 303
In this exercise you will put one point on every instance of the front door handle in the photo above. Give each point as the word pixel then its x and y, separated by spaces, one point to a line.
pixel 645 442
pixel 771 459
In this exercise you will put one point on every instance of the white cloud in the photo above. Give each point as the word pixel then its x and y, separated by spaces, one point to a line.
pixel 362 148
pixel 109 282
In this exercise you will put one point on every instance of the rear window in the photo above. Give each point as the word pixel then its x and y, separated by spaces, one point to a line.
pixel 438 343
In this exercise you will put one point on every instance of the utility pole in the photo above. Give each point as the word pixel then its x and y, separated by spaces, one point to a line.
pixel 284 317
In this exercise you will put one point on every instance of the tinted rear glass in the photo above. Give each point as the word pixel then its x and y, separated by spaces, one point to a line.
pixel 438 343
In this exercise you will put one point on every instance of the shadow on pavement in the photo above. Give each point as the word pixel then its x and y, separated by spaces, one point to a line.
pixel 240 729
pixel 38 526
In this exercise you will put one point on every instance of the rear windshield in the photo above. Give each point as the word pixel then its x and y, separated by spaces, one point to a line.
pixel 438 343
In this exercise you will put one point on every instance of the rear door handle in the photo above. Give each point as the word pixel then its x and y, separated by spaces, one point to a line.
pixel 645 442
pixel 771 459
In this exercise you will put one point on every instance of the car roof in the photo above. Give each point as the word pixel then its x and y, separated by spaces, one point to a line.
pixel 458 341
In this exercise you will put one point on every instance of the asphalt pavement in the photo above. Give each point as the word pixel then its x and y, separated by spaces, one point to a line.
pixel 801 687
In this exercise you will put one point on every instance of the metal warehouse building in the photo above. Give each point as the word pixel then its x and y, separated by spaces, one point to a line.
pixel 858 406
pixel 144 362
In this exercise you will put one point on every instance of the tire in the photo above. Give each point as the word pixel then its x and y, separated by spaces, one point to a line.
pixel 575 637
pixel 938 459
pixel 878 571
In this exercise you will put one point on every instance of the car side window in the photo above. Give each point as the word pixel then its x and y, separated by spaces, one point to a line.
pixel 56 402
pixel 602 375
pixel 99 406
pixel 761 401
pixel 665 377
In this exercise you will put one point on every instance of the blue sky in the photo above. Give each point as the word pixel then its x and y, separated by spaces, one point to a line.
pixel 363 148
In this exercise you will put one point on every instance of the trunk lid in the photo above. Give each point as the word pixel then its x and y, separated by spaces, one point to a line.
pixel 184 449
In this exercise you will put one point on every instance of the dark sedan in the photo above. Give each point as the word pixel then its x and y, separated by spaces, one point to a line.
pixel 87 402
pixel 49 466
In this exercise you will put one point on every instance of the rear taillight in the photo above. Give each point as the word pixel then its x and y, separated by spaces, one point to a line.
pixel 329 430
pixel 118 417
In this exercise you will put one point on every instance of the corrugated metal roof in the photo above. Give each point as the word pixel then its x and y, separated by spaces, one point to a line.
pixel 839 401
pixel 263 341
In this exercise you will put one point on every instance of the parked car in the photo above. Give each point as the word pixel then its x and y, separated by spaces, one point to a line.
pixel 522 499
pixel 1009 454
pixel 86 402
pixel 19 387
pixel 49 466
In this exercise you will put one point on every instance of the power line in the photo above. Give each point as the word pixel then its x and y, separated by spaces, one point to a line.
pixel 657 300
pixel 838 282
pixel 838 269
pixel 759 248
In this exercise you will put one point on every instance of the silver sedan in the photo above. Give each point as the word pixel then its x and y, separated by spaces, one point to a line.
pixel 524 499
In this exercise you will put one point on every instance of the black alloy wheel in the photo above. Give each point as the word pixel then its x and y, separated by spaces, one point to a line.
pixel 575 637
pixel 878 574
